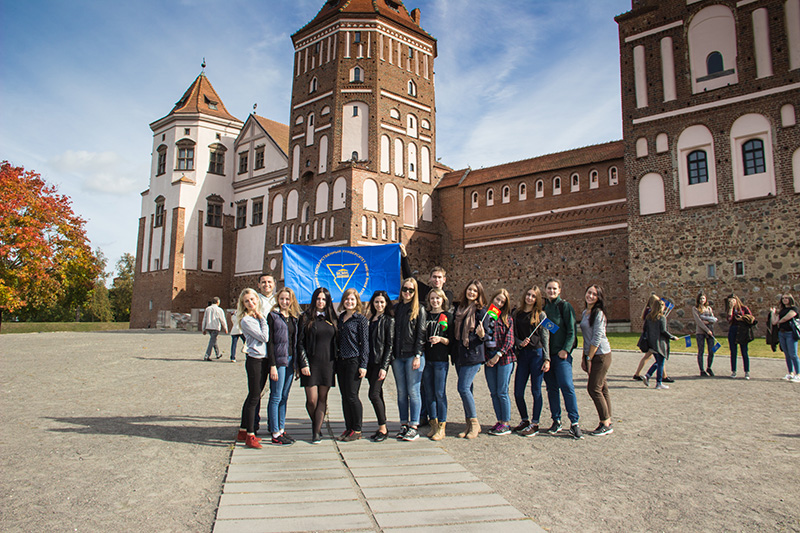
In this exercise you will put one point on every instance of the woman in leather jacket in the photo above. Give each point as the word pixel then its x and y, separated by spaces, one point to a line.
pixel 409 340
pixel 381 354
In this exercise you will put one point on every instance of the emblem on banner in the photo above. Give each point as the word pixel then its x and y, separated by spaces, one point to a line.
pixel 352 274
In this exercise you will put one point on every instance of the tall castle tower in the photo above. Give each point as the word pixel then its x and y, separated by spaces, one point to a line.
pixel 362 131
pixel 185 245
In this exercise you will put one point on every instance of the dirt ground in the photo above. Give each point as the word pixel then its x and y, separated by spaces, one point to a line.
pixel 126 431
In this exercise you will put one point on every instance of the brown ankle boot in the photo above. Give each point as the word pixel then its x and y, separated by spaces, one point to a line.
pixel 434 427
pixel 463 434
pixel 474 429
pixel 439 431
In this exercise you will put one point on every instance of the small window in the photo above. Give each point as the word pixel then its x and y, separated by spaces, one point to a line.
pixel 394 113
pixel 575 183
pixel 210 264
pixel 738 268
pixel 753 154
pixel 316 47
pixel 506 194
pixel 258 212
pixel 613 178
pixel 556 185
pixel 357 77
pixel 698 167
pixel 241 215
pixel 216 162
pixel 412 88
pixel 214 214
pixel 312 87
pixel 259 162
pixel 474 200
pixel 156 264
pixel 162 160
pixel 185 155
pixel 159 218
pixel 357 37
pixel 299 120
pixel 243 162
pixel 594 179
pixel 210 103
pixel 711 271
pixel 539 189
pixel 714 63
pixel 354 156
pixel 187 131
pixel 355 110
pixel 490 197
pixel 410 53
pixel 523 191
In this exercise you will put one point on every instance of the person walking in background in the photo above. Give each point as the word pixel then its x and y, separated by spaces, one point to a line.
pixel 655 327
pixel 597 356
pixel 637 375
pixel 500 360
pixel 256 334
pixel 437 354
pixel 281 347
pixel 471 331
pixel 739 319
pixel 704 320
pixel 381 354
pixel 409 341
pixel 533 358
pixel 351 362
pixel 316 349
pixel 559 377
pixel 213 321
pixel 236 335
pixel 787 335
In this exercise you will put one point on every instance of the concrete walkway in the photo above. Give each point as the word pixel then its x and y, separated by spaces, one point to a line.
pixel 356 486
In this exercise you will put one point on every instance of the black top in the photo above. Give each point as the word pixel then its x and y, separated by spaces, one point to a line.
pixel 439 352
pixel 354 338
pixel 786 326
pixel 523 328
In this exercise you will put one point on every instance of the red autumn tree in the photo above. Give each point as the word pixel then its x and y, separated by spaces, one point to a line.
pixel 45 257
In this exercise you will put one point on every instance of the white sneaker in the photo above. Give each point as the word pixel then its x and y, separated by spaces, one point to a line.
pixel 787 377
pixel 662 386
pixel 747 375
pixel 733 375
pixel 795 379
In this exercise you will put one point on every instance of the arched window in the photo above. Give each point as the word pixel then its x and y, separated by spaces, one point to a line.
pixel 753 157
pixel 412 161
pixel 312 87
pixel 540 189
pixel 185 154
pixel 161 166
pixel 305 213
pixel 712 48
pixel 427 208
pixel 370 195
pixel 394 231
pixel 310 130
pixel 356 75
pixel 697 181
pixel 754 161
pixel 506 195
pixel 522 192
pixel 556 185
pixel 386 143
pixel 321 204
pixel 575 183
pixel 292 200
pixel 412 88
pixel 490 197
pixel 373 226
pixel 474 199
pixel 339 193
pixel 613 177
pixel 425 165
pixel 316 229
pixel 714 63
pixel 296 162
pixel 331 228
pixel 355 131
pixel 384 231
pixel 394 113
pixel 323 227
pixel 594 179
pixel 364 227
pixel 697 164
pixel 398 157
pixel 411 126
pixel 409 210
pixel 277 209
pixel 158 220
pixel 651 194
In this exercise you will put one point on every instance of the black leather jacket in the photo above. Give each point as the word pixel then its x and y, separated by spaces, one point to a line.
pixel 381 342
pixel 306 341
pixel 409 335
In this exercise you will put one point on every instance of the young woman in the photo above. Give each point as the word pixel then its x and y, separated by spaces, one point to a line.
pixel 782 318
pixel 255 329
pixel 351 362
pixel 597 356
pixel 470 332
pixel 281 347
pixel 316 349
pixel 650 305
pixel 409 341
pixel 738 314
pixel 500 361
pixel 381 346
pixel 439 336
pixel 559 377
pixel 704 320
pixel 655 326
pixel 236 335
pixel 533 358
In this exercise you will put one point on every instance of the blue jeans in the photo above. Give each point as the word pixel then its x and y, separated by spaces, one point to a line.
pixel 789 349
pixel 466 375
pixel 278 397
pixel 733 344
pixel 234 340
pixel 434 384
pixel 559 378
pixel 498 378
pixel 657 367
pixel 529 365
pixel 409 382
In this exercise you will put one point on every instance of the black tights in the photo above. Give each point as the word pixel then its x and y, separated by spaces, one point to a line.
pixel 257 372
pixel 376 392
pixel 316 406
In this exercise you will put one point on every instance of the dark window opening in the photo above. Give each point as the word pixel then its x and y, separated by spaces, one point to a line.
pixel 214 215
pixel 753 154
pixel 698 167
pixel 714 63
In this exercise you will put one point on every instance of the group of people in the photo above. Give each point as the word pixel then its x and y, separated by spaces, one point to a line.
pixel 419 337
pixel 783 326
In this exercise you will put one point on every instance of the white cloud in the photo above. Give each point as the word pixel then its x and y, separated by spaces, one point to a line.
pixel 103 172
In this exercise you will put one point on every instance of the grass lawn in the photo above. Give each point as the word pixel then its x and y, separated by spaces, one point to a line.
pixel 627 341
pixel 39 327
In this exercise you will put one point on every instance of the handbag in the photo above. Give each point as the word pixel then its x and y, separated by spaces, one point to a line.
pixel 794 327
pixel 643 345
pixel 745 333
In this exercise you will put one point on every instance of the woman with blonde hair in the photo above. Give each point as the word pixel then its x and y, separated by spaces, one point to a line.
pixel 437 360
pixel 281 347
pixel 533 358
pixel 409 341
pixel 637 375
pixel 655 327
pixel 500 361
pixel 351 361
pixel 256 332
pixel 739 318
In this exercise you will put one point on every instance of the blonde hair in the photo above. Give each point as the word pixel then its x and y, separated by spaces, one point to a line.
pixel 240 308
pixel 657 311
pixel 505 311
pixel 440 293
pixel 537 305
pixel 345 294
pixel 294 307
pixel 414 298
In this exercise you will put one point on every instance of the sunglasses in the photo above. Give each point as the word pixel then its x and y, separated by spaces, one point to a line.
pixel 409 290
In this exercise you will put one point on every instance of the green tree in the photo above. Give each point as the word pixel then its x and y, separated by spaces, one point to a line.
pixel 121 292
pixel 98 306
pixel 45 258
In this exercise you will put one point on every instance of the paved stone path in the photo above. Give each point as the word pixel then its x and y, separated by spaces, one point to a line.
pixel 356 486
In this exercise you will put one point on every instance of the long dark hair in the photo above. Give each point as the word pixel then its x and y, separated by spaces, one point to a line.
pixel 388 311
pixel 480 301
pixel 311 310
pixel 599 305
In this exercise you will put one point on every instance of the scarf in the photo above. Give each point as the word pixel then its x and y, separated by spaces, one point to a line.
pixel 465 322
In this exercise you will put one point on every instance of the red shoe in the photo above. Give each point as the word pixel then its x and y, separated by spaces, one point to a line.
pixel 241 436
pixel 252 441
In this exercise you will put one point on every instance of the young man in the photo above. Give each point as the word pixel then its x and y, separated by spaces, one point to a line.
pixel 266 288
pixel 213 321
pixel 436 280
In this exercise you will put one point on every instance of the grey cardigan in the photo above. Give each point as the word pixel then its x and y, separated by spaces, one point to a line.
pixel 657 336
pixel 594 335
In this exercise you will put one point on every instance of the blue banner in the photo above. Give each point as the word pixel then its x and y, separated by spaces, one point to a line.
pixel 549 325
pixel 363 268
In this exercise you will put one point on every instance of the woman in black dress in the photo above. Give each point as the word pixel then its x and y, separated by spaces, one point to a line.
pixel 316 349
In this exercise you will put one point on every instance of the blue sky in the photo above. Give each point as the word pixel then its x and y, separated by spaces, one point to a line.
pixel 82 79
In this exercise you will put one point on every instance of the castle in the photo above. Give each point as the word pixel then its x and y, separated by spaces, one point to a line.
pixel 702 192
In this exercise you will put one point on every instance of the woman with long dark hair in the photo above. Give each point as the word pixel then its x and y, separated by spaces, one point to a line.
pixel 782 319
pixel 316 349
pixel 351 362
pixel 533 358
pixel 739 318
pixel 409 363
pixel 281 348
pixel 597 355
pixel 255 330
pixel 470 332
pixel 381 354
pixel 704 320
pixel 500 359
